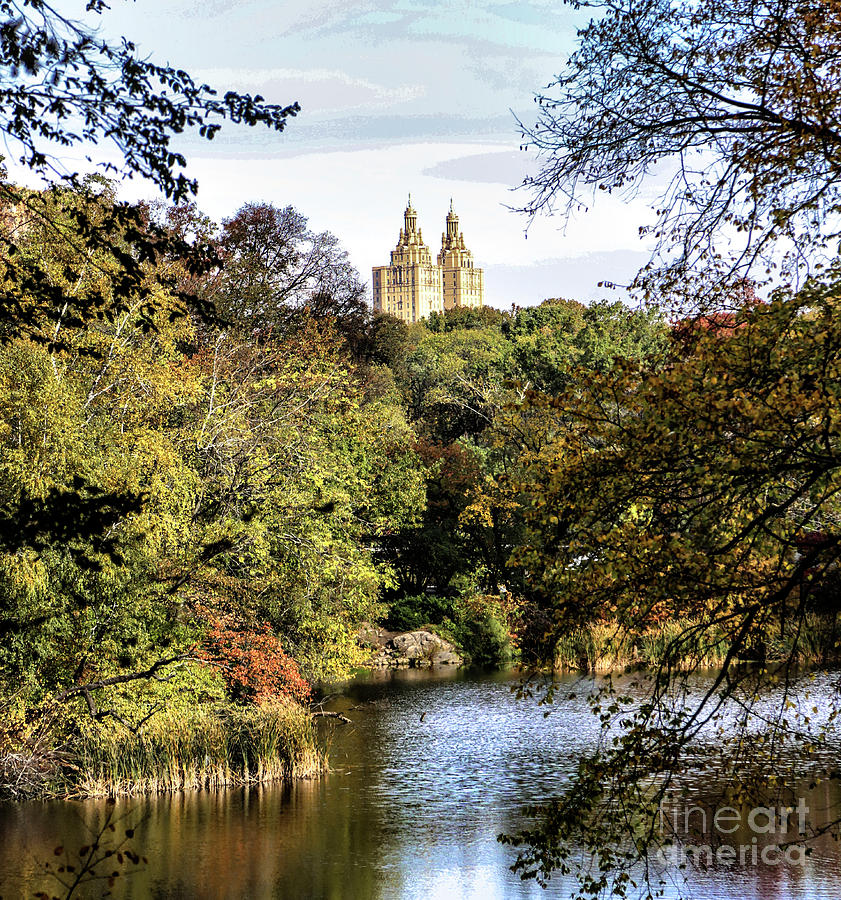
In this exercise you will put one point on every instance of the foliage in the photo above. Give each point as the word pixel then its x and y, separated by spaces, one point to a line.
pixel 455 380
pixel 694 463
pixel 465 317
pixel 697 501
pixel 736 100
pixel 429 554
pixel 691 495
pixel 254 479
pixel 482 628
pixel 252 661
pixel 77 269
pixel 411 612
pixel 556 342
pixel 463 379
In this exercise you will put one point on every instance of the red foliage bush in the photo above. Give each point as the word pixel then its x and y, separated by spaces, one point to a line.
pixel 251 660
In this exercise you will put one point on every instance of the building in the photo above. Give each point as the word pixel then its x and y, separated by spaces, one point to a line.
pixel 413 286
pixel 462 284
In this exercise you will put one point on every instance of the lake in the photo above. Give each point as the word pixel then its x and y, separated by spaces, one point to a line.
pixel 432 769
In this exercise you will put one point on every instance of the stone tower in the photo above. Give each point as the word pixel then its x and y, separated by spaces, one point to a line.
pixel 463 284
pixel 410 288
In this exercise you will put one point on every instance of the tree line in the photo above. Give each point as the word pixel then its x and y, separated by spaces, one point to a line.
pixel 260 484
pixel 216 462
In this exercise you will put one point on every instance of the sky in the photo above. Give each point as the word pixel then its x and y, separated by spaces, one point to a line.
pixel 397 96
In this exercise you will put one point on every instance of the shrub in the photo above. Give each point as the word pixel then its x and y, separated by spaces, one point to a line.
pixel 415 611
pixel 475 623
pixel 251 660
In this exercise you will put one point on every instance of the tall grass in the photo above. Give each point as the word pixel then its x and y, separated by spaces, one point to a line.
pixel 605 647
pixel 202 748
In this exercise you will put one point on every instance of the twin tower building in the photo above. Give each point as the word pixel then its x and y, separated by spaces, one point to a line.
pixel 413 286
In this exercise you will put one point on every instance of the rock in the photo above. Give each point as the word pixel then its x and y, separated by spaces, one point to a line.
pixel 425 646
pixel 413 649
pixel 373 636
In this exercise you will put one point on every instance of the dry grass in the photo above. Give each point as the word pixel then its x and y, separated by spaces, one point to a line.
pixel 207 749
pixel 179 750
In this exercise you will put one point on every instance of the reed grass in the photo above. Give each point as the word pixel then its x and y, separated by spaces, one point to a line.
pixel 681 644
pixel 199 748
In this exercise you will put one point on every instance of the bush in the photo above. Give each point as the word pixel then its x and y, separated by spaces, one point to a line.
pixel 475 624
pixel 251 660
pixel 415 611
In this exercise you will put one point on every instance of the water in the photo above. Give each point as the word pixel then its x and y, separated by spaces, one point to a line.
pixel 431 771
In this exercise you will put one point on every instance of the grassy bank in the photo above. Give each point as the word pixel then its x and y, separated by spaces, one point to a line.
pixel 207 749
pixel 604 647
pixel 185 749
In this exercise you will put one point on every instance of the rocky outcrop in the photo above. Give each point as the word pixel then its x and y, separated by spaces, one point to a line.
pixel 413 649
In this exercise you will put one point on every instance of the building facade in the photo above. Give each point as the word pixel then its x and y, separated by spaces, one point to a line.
pixel 413 286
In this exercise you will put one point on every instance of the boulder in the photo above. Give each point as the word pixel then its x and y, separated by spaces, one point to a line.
pixel 373 636
pixel 413 649
pixel 424 645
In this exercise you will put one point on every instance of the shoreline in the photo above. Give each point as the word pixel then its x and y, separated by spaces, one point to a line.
pixel 178 751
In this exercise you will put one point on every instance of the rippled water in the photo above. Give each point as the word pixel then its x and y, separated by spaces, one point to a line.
pixel 431 771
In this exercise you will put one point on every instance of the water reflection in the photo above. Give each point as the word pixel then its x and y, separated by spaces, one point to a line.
pixel 424 780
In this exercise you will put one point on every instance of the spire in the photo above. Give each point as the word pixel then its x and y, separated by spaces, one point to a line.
pixel 452 223
pixel 410 218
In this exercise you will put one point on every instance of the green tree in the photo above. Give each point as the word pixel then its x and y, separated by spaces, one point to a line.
pixel 62 87
pixel 455 380
pixel 562 340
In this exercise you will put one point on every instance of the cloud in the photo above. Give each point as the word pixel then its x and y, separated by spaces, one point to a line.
pixel 508 167
pixel 574 277
pixel 535 26
pixel 318 90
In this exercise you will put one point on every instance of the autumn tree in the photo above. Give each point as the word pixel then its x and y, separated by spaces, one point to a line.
pixel 693 495
pixel 735 103
pixel 275 265
pixel 700 498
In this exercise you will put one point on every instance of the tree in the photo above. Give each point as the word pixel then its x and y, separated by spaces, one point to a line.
pixel 83 277
pixel 386 341
pixel 263 481
pixel 455 380
pixel 62 86
pixel 560 339
pixel 275 265
pixel 428 555
pixel 465 317
pixel 694 495
pixel 702 496
pixel 298 480
pixel 737 101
